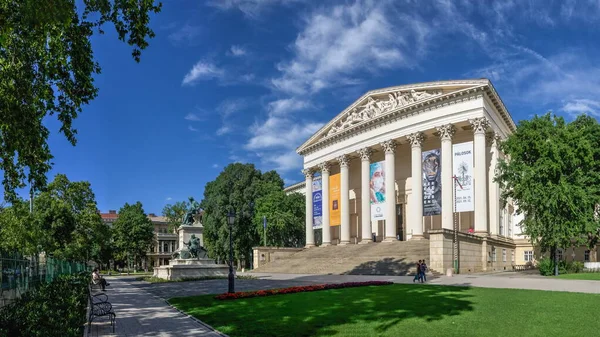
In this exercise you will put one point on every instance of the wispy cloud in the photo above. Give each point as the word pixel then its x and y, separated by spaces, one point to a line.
pixel 223 130
pixel 237 51
pixel 585 106
pixel 169 199
pixel 215 165
pixel 287 106
pixel 191 128
pixel 202 70
pixel 186 34
pixel 230 106
pixel 250 8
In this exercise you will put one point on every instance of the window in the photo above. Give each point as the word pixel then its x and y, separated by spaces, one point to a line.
pixel 528 256
pixel 512 256
pixel 165 247
pixel 586 256
pixel 503 255
pixel 494 254
pixel 560 254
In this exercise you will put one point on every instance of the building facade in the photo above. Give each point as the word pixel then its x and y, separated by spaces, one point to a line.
pixel 165 242
pixel 388 166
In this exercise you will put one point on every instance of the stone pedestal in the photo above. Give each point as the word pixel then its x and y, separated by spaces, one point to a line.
pixel 185 232
pixel 190 268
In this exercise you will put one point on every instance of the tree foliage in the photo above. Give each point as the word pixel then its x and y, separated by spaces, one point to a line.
pixel 65 223
pixel 237 188
pixel 133 232
pixel 285 219
pixel 47 68
pixel 553 177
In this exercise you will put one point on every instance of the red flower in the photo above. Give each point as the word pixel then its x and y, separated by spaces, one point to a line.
pixel 292 290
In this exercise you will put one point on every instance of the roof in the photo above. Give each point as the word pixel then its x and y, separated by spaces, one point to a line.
pixel 109 217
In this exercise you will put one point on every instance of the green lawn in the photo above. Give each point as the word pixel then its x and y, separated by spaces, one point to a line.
pixel 581 276
pixel 402 310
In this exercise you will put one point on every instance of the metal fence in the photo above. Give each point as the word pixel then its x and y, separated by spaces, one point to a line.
pixel 19 274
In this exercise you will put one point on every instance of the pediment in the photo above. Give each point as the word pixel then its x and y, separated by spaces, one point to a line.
pixel 381 102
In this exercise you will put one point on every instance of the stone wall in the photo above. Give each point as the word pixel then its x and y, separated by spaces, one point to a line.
pixel 263 255
pixel 475 253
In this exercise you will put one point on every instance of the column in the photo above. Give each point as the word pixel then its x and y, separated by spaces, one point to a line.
pixel 446 133
pixel 494 192
pixel 416 201
pixel 325 185
pixel 345 200
pixel 310 234
pixel 480 125
pixel 365 197
pixel 389 147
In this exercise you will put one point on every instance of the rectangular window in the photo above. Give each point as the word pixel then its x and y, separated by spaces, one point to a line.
pixel 528 256
pixel 510 223
pixel 560 254
pixel 494 254
pixel 586 256
pixel 501 222
pixel 503 255
pixel 512 256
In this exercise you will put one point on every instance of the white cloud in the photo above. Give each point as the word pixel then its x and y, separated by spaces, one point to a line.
pixel 585 106
pixel 287 106
pixel 186 34
pixel 193 117
pixel 191 128
pixel 237 51
pixel 230 106
pixel 250 8
pixel 338 42
pixel 202 70
pixel 284 161
pixel 169 199
pixel 215 165
pixel 277 132
pixel 223 130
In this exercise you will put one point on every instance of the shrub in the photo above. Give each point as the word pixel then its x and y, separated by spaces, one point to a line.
pixel 576 267
pixel 292 290
pixel 546 267
pixel 54 309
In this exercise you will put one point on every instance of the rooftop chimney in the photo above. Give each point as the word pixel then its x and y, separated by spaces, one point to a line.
pixel 112 211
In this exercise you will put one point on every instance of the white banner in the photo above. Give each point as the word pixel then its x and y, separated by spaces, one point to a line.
pixel 462 163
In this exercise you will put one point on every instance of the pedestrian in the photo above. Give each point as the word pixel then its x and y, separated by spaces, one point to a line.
pixel 423 267
pixel 98 279
pixel 417 272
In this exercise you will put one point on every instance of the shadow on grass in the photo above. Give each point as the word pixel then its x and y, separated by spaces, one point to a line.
pixel 387 266
pixel 323 313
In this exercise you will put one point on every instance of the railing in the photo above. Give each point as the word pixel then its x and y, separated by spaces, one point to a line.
pixel 19 274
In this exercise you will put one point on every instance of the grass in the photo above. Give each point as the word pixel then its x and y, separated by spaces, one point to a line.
pixel 401 310
pixel 153 279
pixel 581 276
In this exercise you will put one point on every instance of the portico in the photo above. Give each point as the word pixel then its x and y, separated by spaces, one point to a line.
pixel 392 156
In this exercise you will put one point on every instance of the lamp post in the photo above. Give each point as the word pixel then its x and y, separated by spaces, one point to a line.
pixel 231 278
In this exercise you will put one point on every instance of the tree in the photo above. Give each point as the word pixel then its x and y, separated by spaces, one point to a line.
pixel 133 233
pixel 551 175
pixel 47 68
pixel 285 218
pixel 175 212
pixel 237 188
pixel 65 223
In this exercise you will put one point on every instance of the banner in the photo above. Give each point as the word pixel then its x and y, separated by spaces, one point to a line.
pixel 462 163
pixel 377 190
pixel 317 200
pixel 432 185
pixel 334 200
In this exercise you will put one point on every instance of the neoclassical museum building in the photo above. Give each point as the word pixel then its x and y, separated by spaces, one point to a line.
pixel 415 162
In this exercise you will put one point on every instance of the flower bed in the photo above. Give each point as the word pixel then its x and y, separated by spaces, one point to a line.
pixel 292 290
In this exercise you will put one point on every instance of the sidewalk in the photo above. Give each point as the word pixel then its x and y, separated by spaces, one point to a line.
pixel 140 313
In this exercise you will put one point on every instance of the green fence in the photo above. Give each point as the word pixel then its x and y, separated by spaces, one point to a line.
pixel 19 274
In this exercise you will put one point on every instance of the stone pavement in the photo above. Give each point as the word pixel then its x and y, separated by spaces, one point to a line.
pixel 142 314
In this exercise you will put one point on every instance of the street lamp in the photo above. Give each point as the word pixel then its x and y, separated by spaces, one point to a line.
pixel 230 221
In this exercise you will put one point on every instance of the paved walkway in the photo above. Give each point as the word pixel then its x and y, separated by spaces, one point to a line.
pixel 142 314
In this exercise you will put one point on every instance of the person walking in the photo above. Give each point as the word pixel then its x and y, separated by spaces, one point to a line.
pixel 423 269
pixel 417 272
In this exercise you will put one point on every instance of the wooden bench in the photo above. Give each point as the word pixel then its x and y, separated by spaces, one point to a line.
pixel 99 306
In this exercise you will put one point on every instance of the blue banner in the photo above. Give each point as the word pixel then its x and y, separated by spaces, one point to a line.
pixel 317 200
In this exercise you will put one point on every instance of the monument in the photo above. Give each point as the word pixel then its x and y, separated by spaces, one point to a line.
pixel 191 259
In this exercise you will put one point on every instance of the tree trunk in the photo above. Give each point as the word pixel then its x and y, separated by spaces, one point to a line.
pixel 594 254
pixel 555 261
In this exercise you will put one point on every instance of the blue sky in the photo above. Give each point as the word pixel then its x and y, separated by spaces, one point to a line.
pixel 249 81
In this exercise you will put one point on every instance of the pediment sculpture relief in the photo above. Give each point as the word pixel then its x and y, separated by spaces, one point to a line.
pixel 379 106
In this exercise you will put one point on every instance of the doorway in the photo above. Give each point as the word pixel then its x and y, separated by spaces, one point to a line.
pixel 400 222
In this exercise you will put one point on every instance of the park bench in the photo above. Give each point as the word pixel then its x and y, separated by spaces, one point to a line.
pixel 99 306
pixel 522 267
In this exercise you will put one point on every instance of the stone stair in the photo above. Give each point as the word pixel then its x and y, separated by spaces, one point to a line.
pixel 383 258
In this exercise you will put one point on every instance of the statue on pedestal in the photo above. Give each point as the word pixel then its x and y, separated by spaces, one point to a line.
pixel 190 216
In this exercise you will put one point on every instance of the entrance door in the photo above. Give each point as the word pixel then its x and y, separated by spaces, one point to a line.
pixel 400 222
